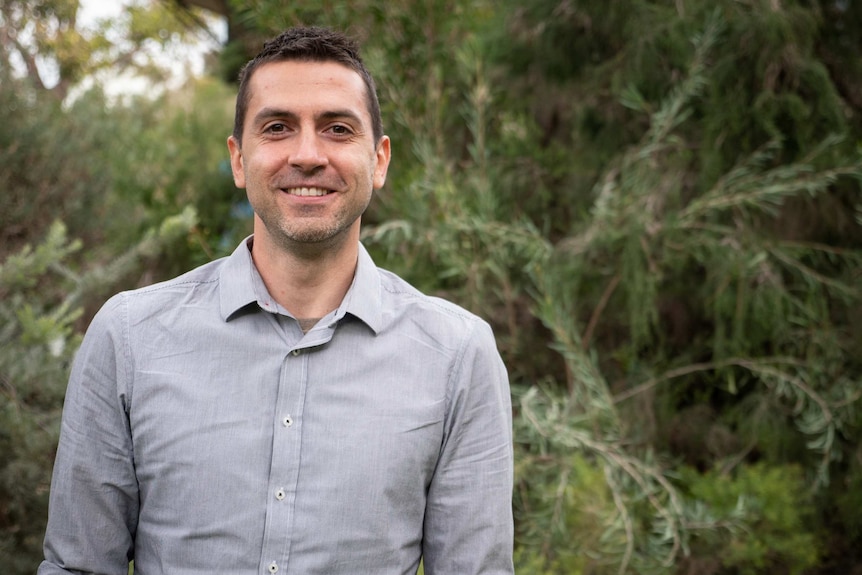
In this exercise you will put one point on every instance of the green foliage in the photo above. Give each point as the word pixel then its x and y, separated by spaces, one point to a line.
pixel 573 518
pixel 775 536
pixel 59 51
pixel 659 294
pixel 36 345
pixel 45 178
pixel 172 155
pixel 841 505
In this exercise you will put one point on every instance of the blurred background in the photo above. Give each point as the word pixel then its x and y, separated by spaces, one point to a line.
pixel 655 203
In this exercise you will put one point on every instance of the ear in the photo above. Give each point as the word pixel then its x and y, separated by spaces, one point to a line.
pixel 236 164
pixel 382 155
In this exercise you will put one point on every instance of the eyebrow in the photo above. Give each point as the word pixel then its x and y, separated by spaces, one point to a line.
pixel 270 113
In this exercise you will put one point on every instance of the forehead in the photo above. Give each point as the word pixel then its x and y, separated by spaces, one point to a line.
pixel 296 85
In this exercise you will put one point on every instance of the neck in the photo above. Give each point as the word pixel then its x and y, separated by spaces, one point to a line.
pixel 309 282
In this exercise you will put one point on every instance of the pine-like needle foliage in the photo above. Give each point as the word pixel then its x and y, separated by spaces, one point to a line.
pixel 605 445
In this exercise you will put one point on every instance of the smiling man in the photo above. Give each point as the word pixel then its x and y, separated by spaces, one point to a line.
pixel 290 408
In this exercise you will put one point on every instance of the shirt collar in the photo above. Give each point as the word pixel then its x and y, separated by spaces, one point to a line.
pixel 236 284
pixel 237 291
pixel 363 298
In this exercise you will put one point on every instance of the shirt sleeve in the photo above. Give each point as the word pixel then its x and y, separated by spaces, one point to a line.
pixel 93 505
pixel 468 521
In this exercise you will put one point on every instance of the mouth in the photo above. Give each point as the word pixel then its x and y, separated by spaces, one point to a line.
pixel 306 192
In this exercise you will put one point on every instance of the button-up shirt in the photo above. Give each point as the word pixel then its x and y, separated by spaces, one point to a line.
pixel 203 432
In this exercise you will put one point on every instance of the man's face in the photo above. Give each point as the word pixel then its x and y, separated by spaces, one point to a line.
pixel 308 160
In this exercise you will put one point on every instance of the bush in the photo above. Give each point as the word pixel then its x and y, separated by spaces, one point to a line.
pixel 776 536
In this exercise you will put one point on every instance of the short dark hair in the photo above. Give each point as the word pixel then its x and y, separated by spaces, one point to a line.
pixel 308 44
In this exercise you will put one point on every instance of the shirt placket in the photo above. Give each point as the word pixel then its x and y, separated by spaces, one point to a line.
pixel 284 469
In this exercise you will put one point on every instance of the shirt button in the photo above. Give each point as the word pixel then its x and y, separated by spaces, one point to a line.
pixel 296 352
pixel 287 421
pixel 273 567
pixel 279 495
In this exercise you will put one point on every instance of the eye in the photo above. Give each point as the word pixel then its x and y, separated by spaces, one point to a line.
pixel 275 128
pixel 340 130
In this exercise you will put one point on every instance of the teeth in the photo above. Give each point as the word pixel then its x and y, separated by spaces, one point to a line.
pixel 311 192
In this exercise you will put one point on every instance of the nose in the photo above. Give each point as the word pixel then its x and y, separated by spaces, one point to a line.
pixel 308 155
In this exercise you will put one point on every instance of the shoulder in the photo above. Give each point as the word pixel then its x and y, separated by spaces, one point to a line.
pixel 199 286
pixel 398 292
pixel 402 303
pixel 206 274
pixel 424 329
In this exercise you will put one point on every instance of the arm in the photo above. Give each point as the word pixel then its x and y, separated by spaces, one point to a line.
pixel 468 520
pixel 94 495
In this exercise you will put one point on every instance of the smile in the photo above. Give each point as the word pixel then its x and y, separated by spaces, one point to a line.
pixel 306 192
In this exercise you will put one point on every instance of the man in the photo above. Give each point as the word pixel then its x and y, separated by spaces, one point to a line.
pixel 290 408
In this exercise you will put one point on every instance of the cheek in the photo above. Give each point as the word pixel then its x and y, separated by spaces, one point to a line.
pixel 257 170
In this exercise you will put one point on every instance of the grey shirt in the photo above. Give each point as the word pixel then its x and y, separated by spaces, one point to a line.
pixel 203 433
